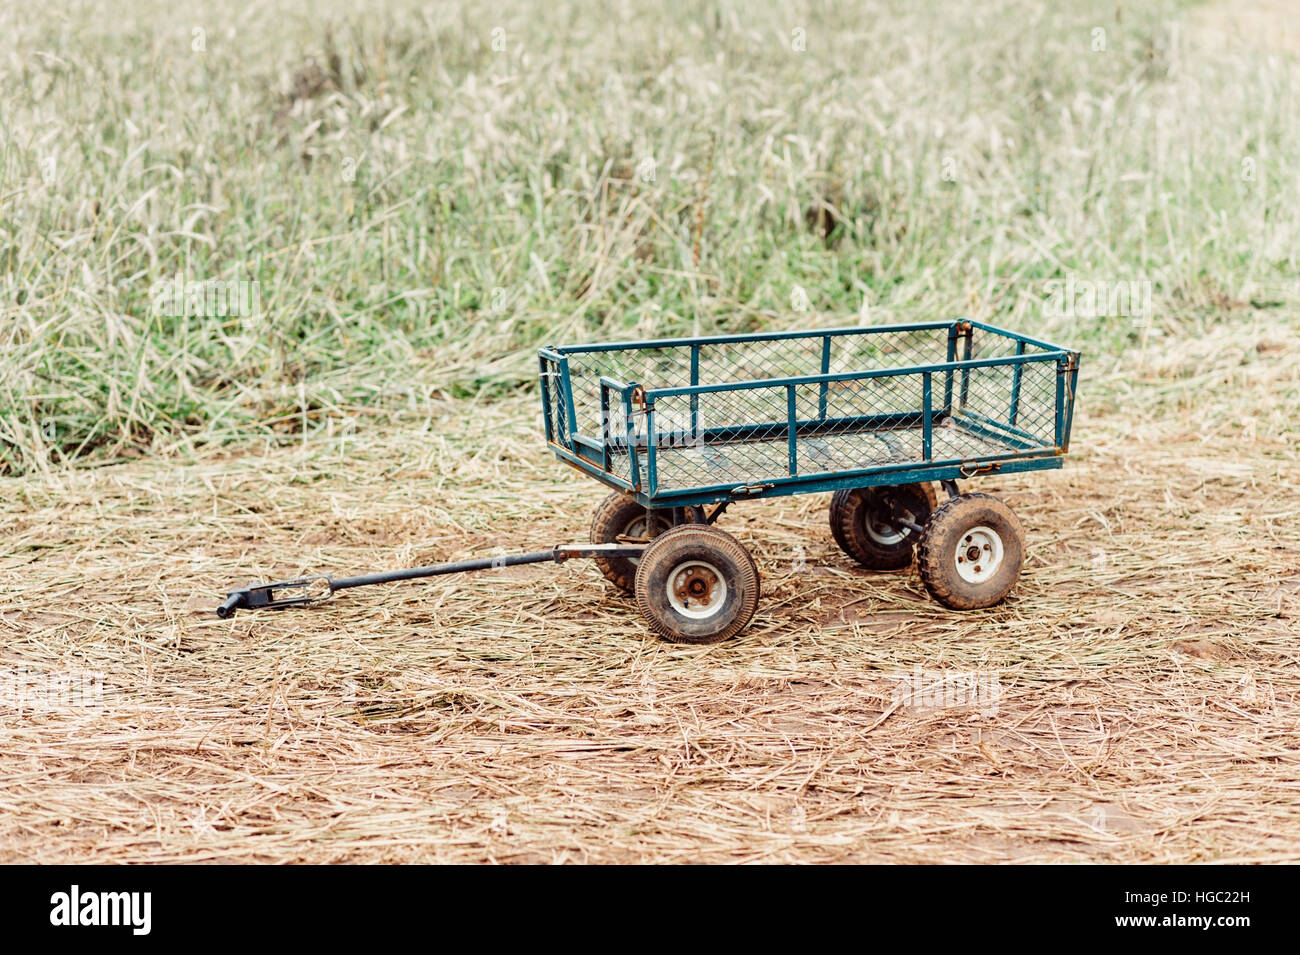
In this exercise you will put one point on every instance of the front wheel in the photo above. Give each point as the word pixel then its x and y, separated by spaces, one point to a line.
pixel 696 584
pixel 971 552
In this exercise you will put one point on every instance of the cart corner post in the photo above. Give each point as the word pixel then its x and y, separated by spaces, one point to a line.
pixel 651 446
pixel 557 398
pixel 967 353
pixel 1062 372
pixel 1073 374
pixel 927 417
pixel 569 413
pixel 792 430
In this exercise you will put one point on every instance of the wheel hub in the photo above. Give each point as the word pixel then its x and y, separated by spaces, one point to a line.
pixel 882 533
pixel 696 589
pixel 878 524
pixel 979 554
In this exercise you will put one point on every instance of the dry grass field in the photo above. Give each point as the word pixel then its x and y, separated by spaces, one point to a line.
pixel 1149 696
pixel 422 207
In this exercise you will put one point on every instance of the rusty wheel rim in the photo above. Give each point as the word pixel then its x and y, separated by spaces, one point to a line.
pixel 696 589
pixel 978 554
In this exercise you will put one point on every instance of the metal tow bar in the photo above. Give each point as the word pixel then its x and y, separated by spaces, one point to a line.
pixel 302 591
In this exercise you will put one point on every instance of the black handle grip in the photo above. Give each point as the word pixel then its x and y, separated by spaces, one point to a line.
pixel 233 603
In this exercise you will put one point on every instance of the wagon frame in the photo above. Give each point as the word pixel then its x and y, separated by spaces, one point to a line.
pixel 864 412
pixel 593 455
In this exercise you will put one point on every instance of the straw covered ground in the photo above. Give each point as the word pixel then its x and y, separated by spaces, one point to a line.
pixel 1144 672
pixel 414 197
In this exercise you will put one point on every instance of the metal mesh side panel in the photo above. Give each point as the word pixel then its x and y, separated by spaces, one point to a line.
pixel 557 421
pixel 731 438
pixel 738 437
pixel 1024 399
pixel 926 346
pixel 650 367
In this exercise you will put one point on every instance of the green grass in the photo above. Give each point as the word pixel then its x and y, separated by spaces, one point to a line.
pixel 422 210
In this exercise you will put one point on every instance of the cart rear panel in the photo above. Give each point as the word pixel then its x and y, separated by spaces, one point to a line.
pixel 689 421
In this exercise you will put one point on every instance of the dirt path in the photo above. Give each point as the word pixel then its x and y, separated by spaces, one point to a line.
pixel 1141 685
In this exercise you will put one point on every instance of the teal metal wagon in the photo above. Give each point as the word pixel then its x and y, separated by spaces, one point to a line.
pixel 680 429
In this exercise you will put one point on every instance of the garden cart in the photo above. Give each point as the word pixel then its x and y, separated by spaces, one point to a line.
pixel 680 429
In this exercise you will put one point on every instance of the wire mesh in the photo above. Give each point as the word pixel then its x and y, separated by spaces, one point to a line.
pixel 768 431
pixel 553 392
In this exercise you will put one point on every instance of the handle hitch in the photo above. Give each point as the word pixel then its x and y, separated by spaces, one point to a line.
pixel 301 591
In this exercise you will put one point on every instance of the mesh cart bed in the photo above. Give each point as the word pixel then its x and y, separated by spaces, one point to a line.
pixel 685 422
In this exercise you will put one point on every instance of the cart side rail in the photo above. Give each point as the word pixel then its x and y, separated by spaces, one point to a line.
pixel 961 413
pixel 661 417
pixel 854 375
pixel 836 332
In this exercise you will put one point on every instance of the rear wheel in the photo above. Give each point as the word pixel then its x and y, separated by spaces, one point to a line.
pixel 696 584
pixel 861 522
pixel 971 552
pixel 620 517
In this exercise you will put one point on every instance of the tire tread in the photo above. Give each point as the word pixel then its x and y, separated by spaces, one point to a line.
pixel 684 542
pixel 939 579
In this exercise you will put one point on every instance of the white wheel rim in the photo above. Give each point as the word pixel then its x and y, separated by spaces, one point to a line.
pixel 696 589
pixel 978 555
pixel 882 533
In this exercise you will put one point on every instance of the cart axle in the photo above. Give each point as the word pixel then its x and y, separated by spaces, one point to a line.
pixel 302 591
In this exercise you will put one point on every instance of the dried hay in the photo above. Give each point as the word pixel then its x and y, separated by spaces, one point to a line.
pixel 1147 662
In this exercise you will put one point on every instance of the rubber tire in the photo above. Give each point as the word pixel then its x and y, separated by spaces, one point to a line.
pixel 696 542
pixel 612 518
pixel 938 550
pixel 850 509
